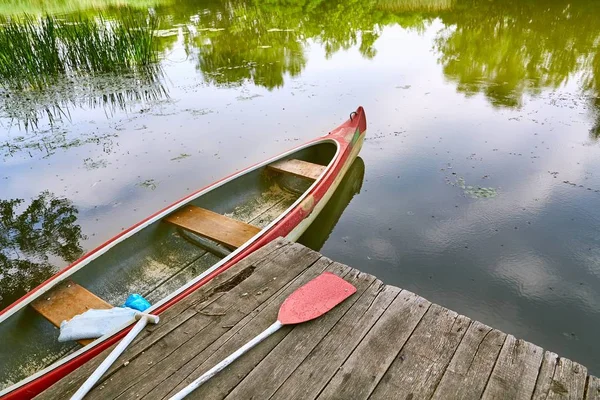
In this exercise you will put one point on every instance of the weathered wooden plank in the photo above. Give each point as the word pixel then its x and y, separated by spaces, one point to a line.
pixel 592 389
pixel 367 364
pixel 272 213
pixel 545 375
pixel 67 300
pixel 176 317
pixel 515 372
pixel 309 379
pixel 221 229
pixel 235 338
pixel 270 373
pixel 379 344
pixel 299 168
pixel 260 218
pixel 560 378
pixel 569 380
pixel 418 368
pixel 182 345
pixel 469 370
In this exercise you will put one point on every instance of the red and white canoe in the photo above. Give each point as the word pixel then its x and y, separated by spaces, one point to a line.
pixel 170 254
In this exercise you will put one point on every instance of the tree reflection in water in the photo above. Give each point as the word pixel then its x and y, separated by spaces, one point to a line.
pixel 35 240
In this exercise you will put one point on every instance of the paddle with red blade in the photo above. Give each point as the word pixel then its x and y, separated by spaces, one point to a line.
pixel 306 303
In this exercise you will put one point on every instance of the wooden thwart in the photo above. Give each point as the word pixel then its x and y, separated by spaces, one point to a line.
pixel 302 169
pixel 383 343
pixel 217 227
pixel 67 300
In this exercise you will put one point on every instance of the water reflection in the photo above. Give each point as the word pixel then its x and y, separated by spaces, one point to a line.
pixel 48 64
pixel 318 232
pixel 262 42
pixel 505 49
pixel 53 104
pixel 35 239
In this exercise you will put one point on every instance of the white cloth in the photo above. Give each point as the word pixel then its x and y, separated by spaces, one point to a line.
pixel 95 323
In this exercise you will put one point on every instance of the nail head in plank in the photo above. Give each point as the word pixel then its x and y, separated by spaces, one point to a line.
pixel 217 227
pixel 302 169
pixel 67 300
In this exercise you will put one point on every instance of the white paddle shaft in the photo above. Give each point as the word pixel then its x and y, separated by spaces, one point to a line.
pixel 220 366
pixel 112 357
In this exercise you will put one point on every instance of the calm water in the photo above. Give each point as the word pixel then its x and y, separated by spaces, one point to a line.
pixel 479 184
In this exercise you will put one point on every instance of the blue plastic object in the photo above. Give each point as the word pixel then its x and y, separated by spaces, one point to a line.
pixel 137 302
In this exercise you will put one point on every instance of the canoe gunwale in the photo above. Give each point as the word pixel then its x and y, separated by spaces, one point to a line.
pixel 103 248
pixel 347 138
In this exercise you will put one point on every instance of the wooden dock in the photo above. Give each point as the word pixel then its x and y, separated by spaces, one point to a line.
pixel 381 343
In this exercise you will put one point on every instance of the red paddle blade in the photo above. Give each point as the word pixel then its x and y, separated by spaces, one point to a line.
pixel 314 299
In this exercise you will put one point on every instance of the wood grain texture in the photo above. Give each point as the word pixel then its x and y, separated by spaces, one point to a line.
pixel 419 366
pixel 311 377
pixel 217 227
pixel 299 168
pixel 545 376
pixel 363 370
pixel 270 373
pixel 261 213
pixel 221 384
pixel 516 370
pixel 382 342
pixel 469 370
pixel 592 388
pixel 182 348
pixel 560 378
pixel 67 300
pixel 182 316
pixel 569 380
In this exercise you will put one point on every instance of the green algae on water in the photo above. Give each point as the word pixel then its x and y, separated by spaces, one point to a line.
pixel 477 192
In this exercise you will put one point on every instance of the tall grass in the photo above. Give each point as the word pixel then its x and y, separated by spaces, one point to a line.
pixel 42 7
pixel 34 52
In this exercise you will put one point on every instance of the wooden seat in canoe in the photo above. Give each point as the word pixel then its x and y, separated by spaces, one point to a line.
pixel 224 230
pixel 67 300
pixel 302 169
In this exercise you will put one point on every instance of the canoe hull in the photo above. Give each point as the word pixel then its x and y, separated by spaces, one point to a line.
pixel 348 137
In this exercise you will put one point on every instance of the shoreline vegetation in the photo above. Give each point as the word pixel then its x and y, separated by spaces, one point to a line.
pixel 500 49
pixel 36 51
pixel 57 7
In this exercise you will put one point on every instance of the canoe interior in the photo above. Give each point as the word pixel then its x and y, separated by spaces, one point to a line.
pixel 153 262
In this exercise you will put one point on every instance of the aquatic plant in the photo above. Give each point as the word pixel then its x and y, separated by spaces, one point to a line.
pixel 40 7
pixel 478 192
pixel 111 91
pixel 34 52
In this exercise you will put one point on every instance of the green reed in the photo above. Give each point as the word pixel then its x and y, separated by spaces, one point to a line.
pixel 34 52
